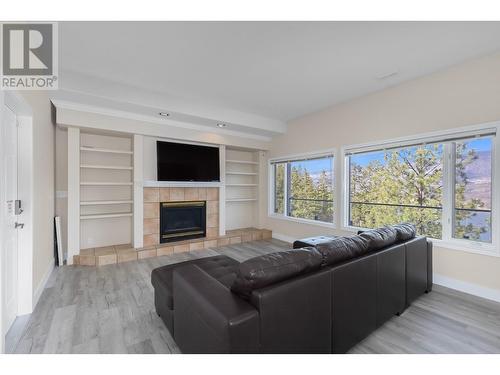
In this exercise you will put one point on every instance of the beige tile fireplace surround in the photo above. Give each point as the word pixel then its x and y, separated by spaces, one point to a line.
pixel 154 195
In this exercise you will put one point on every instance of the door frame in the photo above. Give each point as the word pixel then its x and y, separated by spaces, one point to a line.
pixel 25 299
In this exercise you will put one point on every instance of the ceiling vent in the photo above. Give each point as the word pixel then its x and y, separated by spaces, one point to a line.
pixel 386 76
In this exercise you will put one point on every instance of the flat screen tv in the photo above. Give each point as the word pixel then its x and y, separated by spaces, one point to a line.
pixel 183 162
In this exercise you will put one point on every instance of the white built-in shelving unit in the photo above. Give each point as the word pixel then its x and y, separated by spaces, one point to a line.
pixel 242 188
pixel 106 190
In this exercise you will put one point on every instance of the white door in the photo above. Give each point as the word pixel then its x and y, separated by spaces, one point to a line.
pixel 8 201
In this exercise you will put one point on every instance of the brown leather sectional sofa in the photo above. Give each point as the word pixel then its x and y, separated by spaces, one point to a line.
pixel 319 299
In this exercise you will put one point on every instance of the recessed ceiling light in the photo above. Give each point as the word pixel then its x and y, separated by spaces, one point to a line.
pixel 164 114
pixel 221 125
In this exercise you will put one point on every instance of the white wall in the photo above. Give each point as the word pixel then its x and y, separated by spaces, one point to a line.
pixel 44 186
pixel 463 95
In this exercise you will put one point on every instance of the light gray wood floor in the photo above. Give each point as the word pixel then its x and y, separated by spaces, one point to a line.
pixel 110 309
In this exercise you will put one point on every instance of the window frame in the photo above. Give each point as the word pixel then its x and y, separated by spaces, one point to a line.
pixel 447 240
pixel 271 184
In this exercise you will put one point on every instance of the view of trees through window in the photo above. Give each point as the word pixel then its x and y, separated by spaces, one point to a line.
pixel 309 189
pixel 279 187
pixel 406 185
pixel 473 190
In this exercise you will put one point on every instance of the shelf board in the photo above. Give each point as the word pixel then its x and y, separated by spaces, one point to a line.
pixel 242 162
pixel 117 167
pixel 96 203
pixel 242 173
pixel 105 150
pixel 242 185
pixel 241 200
pixel 180 184
pixel 105 216
pixel 106 183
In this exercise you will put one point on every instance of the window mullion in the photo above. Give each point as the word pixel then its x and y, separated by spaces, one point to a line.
pixel 334 189
pixel 495 201
pixel 448 190
pixel 347 187
pixel 286 185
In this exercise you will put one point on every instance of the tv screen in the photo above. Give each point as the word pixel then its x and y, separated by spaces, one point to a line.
pixel 183 162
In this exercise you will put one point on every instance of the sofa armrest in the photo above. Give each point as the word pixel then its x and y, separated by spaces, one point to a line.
pixel 209 318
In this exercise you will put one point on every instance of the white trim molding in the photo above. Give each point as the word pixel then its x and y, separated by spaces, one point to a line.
pixel 180 184
pixel 466 287
pixel 73 220
pixel 138 226
pixel 26 195
pixel 222 190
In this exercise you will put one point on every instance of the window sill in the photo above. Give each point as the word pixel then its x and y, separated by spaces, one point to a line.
pixel 303 221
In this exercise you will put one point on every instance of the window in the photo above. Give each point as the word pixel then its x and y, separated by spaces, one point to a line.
pixel 410 184
pixel 472 216
pixel 401 185
pixel 303 188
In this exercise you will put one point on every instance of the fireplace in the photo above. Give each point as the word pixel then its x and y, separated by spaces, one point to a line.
pixel 182 220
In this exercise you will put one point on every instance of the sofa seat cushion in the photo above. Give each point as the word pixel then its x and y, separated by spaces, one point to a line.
pixel 272 268
pixel 341 249
pixel 220 267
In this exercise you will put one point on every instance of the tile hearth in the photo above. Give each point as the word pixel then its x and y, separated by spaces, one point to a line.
pixel 125 253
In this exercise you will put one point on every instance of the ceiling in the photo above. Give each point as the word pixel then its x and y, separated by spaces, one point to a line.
pixel 270 70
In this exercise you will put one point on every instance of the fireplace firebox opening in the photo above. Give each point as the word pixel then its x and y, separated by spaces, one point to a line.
pixel 182 220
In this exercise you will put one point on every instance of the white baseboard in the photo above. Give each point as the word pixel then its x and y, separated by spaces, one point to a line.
pixel 462 286
pixel 39 289
pixel 283 237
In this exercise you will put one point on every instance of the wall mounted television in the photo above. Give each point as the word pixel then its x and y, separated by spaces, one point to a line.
pixel 186 162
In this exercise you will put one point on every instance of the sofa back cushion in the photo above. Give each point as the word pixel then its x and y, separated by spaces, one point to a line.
pixel 264 270
pixel 341 249
pixel 379 238
pixel 405 231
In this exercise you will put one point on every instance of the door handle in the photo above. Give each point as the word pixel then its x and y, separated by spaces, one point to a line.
pixel 17 207
pixel 19 225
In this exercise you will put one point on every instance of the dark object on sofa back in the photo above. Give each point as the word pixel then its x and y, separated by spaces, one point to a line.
pixel 312 300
